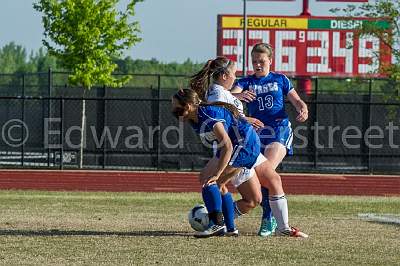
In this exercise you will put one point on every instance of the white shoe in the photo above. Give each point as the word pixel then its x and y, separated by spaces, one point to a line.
pixel 235 233
pixel 291 232
pixel 214 230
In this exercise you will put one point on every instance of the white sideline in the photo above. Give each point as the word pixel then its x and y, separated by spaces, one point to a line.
pixel 380 218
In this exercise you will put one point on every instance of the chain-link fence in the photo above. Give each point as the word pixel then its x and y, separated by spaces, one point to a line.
pixel 353 126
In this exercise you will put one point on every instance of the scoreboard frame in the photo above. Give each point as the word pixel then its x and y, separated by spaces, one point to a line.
pixel 306 45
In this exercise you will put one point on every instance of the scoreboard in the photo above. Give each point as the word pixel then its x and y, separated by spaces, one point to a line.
pixel 306 46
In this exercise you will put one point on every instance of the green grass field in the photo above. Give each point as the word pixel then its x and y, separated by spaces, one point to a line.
pixel 151 228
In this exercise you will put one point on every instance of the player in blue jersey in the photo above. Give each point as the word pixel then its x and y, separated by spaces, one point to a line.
pixel 238 147
pixel 265 93
pixel 212 83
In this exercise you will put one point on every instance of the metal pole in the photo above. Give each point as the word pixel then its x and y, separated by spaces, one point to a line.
pixel 306 10
pixel 316 123
pixel 61 133
pixel 370 170
pixel 49 86
pixel 104 125
pixel 23 120
pixel 244 36
pixel 159 122
pixel 306 80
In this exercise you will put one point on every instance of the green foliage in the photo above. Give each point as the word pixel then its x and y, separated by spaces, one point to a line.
pixel 129 66
pixel 389 11
pixel 42 61
pixel 16 61
pixel 12 58
pixel 85 35
pixel 138 66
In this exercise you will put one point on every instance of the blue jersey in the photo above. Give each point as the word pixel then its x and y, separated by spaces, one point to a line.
pixel 269 105
pixel 245 140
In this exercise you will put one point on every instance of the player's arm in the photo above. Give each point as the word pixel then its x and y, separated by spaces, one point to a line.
pixel 245 96
pixel 236 89
pixel 248 95
pixel 299 104
pixel 257 124
pixel 226 150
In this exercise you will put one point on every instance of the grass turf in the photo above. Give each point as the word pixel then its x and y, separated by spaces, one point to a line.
pixel 151 228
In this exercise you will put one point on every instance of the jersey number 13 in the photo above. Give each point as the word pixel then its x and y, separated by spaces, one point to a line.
pixel 265 102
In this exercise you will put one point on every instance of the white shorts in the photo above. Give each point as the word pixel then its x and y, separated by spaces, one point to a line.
pixel 260 159
pixel 245 174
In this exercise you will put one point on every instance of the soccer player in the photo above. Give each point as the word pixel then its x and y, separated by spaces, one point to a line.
pixel 265 92
pixel 238 147
pixel 212 83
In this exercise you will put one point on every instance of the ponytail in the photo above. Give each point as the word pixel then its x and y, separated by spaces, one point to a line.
pixel 188 96
pixel 200 81
pixel 231 108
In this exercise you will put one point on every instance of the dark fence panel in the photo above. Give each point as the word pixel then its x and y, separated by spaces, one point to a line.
pixel 353 126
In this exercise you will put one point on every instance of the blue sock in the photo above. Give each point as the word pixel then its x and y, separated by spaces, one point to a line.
pixel 228 211
pixel 212 200
pixel 267 212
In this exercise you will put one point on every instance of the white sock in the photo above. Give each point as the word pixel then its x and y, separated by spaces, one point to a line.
pixel 279 209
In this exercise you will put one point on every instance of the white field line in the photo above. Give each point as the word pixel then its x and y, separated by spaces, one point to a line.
pixel 380 218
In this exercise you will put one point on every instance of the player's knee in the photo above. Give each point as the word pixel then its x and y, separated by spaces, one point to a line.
pixel 223 189
pixel 203 177
pixel 254 202
pixel 258 199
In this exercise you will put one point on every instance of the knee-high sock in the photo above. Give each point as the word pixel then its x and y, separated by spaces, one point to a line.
pixel 280 211
pixel 212 200
pixel 228 211
pixel 267 212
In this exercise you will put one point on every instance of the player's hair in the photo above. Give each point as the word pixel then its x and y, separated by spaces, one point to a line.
pixel 188 96
pixel 264 48
pixel 200 81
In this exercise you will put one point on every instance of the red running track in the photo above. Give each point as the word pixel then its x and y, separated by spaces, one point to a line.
pixel 118 181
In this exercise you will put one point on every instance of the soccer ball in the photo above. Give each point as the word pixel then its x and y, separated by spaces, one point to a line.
pixel 198 218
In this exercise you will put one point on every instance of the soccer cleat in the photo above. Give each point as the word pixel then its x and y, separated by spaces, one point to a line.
pixel 234 232
pixel 267 227
pixel 291 232
pixel 214 230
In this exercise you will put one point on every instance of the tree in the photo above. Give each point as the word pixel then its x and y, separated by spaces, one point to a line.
pixel 389 11
pixel 12 58
pixel 85 35
pixel 41 61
